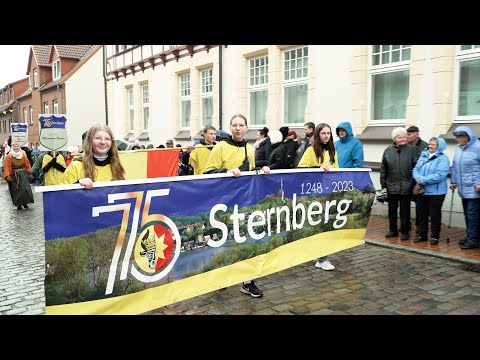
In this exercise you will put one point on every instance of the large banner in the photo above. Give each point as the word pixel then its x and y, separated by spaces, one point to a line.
pixel 19 133
pixel 127 247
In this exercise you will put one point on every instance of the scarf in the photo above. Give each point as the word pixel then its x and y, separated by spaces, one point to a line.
pixel 17 155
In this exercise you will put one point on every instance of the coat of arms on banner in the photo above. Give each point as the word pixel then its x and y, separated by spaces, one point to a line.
pixel 53 134
pixel 20 133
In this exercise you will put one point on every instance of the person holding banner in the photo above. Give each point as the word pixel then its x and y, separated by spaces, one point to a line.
pixel 16 170
pixel 234 155
pixel 321 154
pixel 53 168
pixel 99 160
pixel 199 159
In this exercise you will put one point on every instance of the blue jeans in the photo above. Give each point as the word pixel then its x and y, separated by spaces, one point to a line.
pixel 323 258
pixel 471 210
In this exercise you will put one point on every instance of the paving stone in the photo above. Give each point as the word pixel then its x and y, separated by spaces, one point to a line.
pixel 368 279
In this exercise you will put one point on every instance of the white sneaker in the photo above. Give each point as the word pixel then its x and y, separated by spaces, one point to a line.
pixel 325 265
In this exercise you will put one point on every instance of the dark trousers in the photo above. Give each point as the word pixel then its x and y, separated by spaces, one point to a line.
pixel 429 206
pixel 404 202
pixel 471 210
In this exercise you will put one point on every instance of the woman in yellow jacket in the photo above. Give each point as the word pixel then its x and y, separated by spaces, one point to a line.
pixel 99 160
pixel 234 155
pixel 321 154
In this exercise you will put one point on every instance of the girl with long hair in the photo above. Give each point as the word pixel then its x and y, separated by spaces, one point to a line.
pixel 99 160
pixel 321 154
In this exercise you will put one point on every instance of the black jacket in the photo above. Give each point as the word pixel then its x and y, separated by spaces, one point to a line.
pixel 396 169
pixel 263 153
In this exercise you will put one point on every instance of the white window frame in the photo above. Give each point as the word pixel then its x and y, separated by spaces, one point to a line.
pixel 383 69
pixel 206 91
pixel 258 75
pixel 463 55
pixel 131 109
pixel 31 114
pixel 25 115
pixel 35 78
pixel 46 108
pixel 56 70
pixel 145 106
pixel 185 96
pixel 297 81
pixel 55 106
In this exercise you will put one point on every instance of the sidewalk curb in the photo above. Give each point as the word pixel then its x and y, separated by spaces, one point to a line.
pixel 424 252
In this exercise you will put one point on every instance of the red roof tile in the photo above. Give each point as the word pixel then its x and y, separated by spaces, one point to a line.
pixel 72 51
pixel 42 54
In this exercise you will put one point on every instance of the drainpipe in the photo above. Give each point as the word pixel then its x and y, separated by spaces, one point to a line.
pixel 220 92
pixel 105 83
pixel 62 109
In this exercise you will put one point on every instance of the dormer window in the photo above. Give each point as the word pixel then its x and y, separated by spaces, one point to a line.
pixel 56 70
pixel 35 78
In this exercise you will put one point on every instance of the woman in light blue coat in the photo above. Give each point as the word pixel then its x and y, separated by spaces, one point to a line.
pixel 466 177
pixel 431 171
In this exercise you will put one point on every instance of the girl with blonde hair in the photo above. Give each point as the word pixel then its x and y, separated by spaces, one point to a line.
pixel 99 160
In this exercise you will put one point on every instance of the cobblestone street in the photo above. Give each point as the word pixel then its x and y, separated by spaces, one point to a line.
pixel 22 256
pixel 368 279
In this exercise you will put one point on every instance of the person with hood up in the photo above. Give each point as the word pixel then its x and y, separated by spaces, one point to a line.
pixel 431 172
pixel 466 177
pixel 349 148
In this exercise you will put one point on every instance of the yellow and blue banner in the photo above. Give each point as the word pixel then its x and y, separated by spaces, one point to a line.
pixel 131 246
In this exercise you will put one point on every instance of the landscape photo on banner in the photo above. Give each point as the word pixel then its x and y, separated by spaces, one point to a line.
pixel 134 246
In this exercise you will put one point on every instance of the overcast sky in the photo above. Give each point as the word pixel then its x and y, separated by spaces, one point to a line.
pixel 13 63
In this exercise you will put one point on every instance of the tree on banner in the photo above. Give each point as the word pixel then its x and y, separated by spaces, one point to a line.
pixel 134 246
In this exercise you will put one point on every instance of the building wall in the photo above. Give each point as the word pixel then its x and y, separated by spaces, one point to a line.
pixel 339 90
pixel 36 101
pixel 164 91
pixel 431 90
pixel 85 98
pixel 338 86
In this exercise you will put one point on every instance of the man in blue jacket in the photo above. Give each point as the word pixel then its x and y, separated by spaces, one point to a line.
pixel 466 178
pixel 349 149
